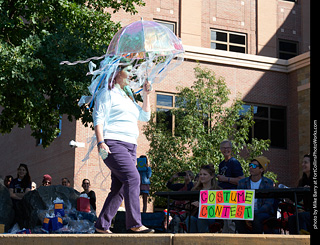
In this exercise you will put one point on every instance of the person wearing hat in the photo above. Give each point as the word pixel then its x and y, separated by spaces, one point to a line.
pixel 46 181
pixel 263 207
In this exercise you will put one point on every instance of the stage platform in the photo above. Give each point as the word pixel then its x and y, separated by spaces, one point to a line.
pixel 157 239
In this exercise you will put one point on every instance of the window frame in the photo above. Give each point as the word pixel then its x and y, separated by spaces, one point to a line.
pixel 269 120
pixel 228 43
pixel 167 107
pixel 287 52
pixel 168 22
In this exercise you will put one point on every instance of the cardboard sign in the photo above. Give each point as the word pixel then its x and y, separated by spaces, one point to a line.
pixel 141 162
pixel 226 204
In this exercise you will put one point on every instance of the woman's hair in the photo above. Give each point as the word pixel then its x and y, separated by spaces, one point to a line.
pixel 85 180
pixel 26 181
pixel 307 155
pixel 210 169
pixel 226 141
pixel 124 62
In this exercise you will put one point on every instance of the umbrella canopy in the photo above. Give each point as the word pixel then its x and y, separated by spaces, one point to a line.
pixel 142 37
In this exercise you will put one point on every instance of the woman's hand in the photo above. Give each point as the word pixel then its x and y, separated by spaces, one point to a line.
pixel 147 87
pixel 173 177
pixel 196 204
pixel 146 100
pixel 222 178
pixel 105 147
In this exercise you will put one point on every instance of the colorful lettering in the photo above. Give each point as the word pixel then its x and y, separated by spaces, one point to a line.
pixel 218 211
pixel 203 211
pixel 248 212
pixel 211 211
pixel 227 204
pixel 226 196
pixel 225 212
pixel 233 197
pixel 240 196
pixel 233 210
pixel 219 198
pixel 212 197
pixel 204 196
pixel 249 197
pixel 240 211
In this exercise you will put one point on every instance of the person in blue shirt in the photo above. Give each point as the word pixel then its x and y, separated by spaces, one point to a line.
pixel 230 170
pixel 145 174
pixel 263 207
pixel 20 185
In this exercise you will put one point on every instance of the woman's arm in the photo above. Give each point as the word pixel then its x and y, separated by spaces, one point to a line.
pixel 98 129
pixel 17 196
pixel 146 99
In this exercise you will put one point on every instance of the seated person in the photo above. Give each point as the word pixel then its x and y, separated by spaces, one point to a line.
pixel 90 193
pixel 7 180
pixel 20 185
pixel 263 207
pixel 46 181
pixel 179 206
pixel 33 186
pixel 304 212
pixel 65 182
pixel 186 186
pixel 207 181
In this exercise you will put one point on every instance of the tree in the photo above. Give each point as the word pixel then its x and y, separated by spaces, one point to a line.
pixel 203 120
pixel 35 37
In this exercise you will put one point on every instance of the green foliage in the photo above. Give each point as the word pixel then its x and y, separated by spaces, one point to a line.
pixel 35 36
pixel 204 117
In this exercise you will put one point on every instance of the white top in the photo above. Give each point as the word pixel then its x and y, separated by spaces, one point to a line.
pixel 119 115
pixel 255 186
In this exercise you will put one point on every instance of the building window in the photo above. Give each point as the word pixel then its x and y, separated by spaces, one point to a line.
pixel 287 49
pixel 168 24
pixel 228 41
pixel 270 123
pixel 59 126
pixel 165 103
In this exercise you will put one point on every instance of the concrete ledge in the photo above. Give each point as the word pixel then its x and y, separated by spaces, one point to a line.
pixel 144 239
pixel 239 239
pixel 246 60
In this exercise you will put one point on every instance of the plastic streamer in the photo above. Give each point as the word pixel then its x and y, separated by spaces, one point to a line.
pixel 152 49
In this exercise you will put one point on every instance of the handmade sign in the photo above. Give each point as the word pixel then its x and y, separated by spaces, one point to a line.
pixel 226 204
pixel 141 162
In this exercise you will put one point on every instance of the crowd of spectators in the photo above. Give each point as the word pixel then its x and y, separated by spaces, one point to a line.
pixel 185 217
pixel 230 176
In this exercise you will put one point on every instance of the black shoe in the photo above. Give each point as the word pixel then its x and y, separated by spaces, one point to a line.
pixel 143 231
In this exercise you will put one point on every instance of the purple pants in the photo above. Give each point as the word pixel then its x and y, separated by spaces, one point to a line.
pixel 125 185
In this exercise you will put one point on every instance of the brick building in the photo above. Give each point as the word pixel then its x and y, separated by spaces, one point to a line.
pixel 260 47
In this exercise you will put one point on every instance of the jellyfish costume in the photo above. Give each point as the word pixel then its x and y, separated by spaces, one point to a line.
pixel 151 48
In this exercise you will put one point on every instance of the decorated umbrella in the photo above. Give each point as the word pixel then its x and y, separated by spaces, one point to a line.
pixel 152 48
pixel 142 37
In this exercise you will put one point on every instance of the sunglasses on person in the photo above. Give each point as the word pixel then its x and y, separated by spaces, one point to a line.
pixel 254 166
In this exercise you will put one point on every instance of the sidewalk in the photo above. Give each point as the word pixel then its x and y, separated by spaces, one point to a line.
pixel 157 239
